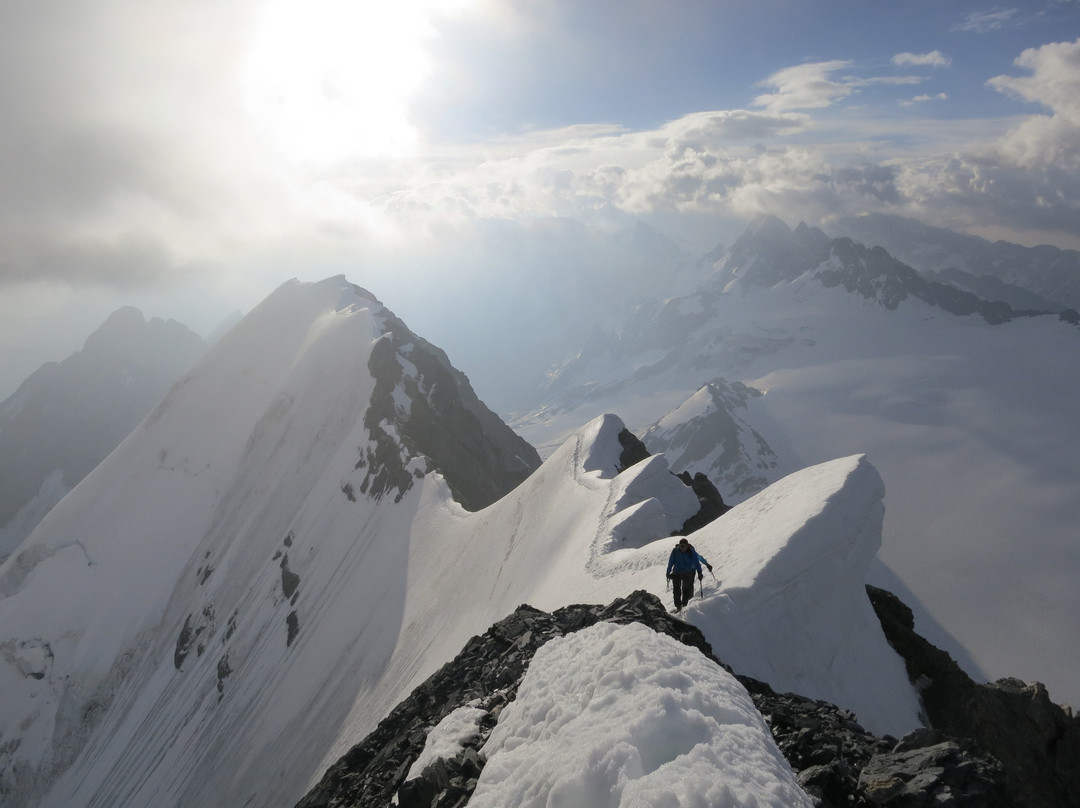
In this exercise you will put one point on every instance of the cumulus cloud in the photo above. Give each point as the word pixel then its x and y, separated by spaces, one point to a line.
pixel 710 130
pixel 1054 80
pixel 1029 177
pixel 125 177
pixel 931 59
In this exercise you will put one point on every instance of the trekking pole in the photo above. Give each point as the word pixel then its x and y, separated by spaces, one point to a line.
pixel 700 588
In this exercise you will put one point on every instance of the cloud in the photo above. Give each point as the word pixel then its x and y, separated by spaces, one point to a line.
pixel 710 130
pixel 814 86
pixel 931 59
pixel 805 86
pixel 983 22
pixel 127 157
pixel 1054 81
pixel 921 99
pixel 1029 178
pixel 739 162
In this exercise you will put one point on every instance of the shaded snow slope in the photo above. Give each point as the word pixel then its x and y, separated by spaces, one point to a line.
pixel 623 716
pixel 250 582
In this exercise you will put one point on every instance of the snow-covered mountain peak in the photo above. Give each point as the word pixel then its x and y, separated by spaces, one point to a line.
pixel 711 433
pixel 67 416
pixel 303 427
pixel 767 253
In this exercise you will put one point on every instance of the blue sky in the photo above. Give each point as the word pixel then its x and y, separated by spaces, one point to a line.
pixel 642 63
pixel 188 156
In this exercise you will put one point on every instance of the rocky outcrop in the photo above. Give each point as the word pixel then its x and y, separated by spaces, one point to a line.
pixel 836 760
pixel 876 275
pixel 712 503
pixel 1036 741
pixel 634 450
pixel 479 456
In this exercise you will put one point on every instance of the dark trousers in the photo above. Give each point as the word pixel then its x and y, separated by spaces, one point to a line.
pixel 683 584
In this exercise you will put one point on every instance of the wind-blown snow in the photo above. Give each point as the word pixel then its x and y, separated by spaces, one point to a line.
pixel 220 600
pixel 623 716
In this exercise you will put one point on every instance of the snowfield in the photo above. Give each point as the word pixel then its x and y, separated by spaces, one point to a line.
pixel 623 716
pixel 218 611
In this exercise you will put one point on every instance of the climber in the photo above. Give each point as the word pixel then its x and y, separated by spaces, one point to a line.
pixel 682 564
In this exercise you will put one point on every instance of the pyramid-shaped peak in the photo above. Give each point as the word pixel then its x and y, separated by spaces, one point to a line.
pixel 767 225
pixel 767 253
pixel 117 326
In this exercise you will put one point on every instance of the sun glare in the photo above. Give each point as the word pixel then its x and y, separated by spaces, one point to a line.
pixel 330 80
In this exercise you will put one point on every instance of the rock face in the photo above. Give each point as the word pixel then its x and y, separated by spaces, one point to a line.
pixel 1046 271
pixel 480 457
pixel 836 760
pixel 1036 741
pixel 711 503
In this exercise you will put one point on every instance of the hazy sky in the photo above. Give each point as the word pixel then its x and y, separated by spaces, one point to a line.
pixel 188 156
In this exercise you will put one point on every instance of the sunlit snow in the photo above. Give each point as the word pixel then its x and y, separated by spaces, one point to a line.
pixel 623 716
pixel 311 613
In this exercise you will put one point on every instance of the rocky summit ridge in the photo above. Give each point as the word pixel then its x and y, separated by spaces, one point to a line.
pixel 837 762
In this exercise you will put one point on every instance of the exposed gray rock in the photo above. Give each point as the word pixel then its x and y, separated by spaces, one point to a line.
pixel 769 253
pixel 1046 271
pixel 634 450
pixel 837 761
pixel 479 456
pixel 941 774
pixel 712 504
pixel 1036 741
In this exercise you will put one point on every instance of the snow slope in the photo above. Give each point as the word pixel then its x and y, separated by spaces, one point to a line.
pixel 974 426
pixel 232 598
pixel 67 416
pixel 623 716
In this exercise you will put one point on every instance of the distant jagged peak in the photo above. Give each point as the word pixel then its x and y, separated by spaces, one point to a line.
pixel 127 330
pixel 769 252
pixel 766 225
pixel 124 317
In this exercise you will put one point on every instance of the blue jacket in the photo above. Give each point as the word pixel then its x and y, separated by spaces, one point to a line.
pixel 680 562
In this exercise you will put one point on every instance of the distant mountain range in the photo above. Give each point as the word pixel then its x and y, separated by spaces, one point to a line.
pixel 995 270
pixel 799 347
pixel 65 418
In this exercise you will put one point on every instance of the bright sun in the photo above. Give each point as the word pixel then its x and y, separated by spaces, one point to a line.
pixel 329 80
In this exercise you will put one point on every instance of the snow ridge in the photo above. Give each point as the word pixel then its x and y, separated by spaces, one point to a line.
pixel 249 615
